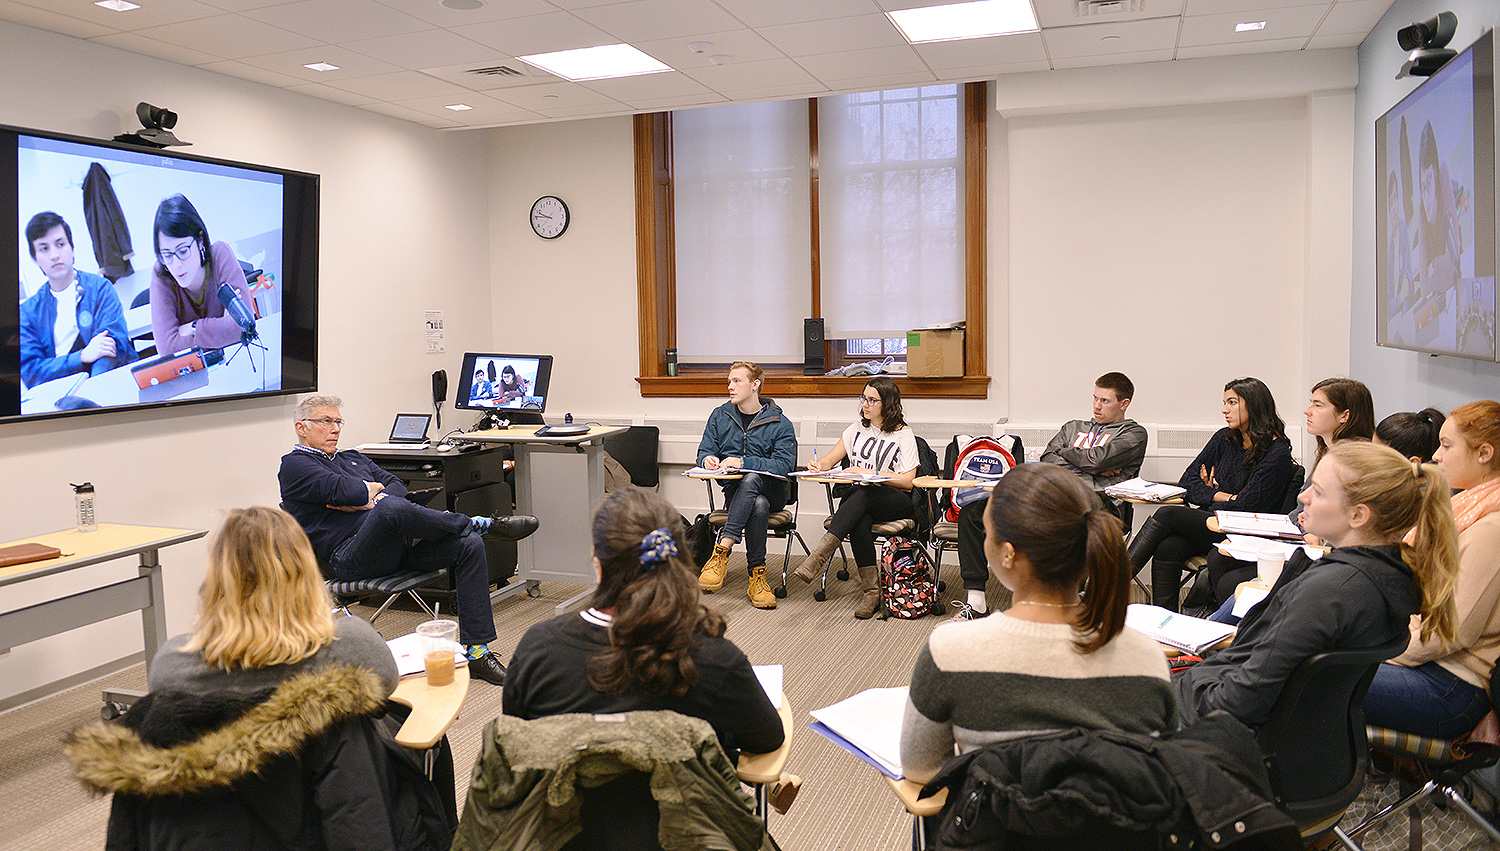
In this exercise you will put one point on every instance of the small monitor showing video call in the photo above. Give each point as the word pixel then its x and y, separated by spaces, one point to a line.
pixel 507 383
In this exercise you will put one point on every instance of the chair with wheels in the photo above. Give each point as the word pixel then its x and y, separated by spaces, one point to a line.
pixel 1314 739
pixel 1447 765
pixel 636 449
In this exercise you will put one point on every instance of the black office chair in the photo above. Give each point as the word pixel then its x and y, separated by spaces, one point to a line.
pixel 1448 767
pixel 1314 739
pixel 392 585
pixel 636 450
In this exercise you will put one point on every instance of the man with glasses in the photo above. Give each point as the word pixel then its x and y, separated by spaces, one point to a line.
pixel 75 323
pixel 362 527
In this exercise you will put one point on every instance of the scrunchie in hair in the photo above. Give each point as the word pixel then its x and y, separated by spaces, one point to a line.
pixel 1416 469
pixel 656 548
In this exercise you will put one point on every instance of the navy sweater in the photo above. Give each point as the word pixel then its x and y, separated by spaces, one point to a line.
pixel 1258 488
pixel 311 481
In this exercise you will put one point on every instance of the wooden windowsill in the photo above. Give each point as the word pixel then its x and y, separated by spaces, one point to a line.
pixel 795 385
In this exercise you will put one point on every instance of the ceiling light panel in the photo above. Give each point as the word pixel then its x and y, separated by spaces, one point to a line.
pixel 596 63
pixel 956 21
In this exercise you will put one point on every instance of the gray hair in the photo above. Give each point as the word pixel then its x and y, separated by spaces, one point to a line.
pixel 308 406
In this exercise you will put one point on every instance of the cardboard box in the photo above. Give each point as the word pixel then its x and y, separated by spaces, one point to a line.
pixel 935 353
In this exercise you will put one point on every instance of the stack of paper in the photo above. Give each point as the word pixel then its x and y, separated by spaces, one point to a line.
pixel 1251 548
pixel 867 725
pixel 1193 635
pixel 1258 523
pixel 1144 491
pixel 408 652
pixel 848 475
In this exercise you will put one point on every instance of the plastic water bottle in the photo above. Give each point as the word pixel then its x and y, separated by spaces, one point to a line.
pixel 83 499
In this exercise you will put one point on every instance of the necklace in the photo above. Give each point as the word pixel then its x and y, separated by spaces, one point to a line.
pixel 1048 605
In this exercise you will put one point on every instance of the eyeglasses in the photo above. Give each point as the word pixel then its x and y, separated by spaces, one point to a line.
pixel 869 400
pixel 327 422
pixel 181 252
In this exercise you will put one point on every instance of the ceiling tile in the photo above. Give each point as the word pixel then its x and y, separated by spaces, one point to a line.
pixel 244 71
pixel 229 36
pixel 989 71
pixel 1064 13
pixel 394 111
pixel 1281 24
pixel 51 21
pixel 1202 51
pixel 319 90
pixel 1111 39
pixel 150 14
pixel 1354 16
pixel 976 52
pixel 242 5
pixel 350 64
pixel 550 96
pixel 401 85
pixel 744 76
pixel 485 110
pixel 649 87
pixel 338 21
pixel 833 36
pixel 1114 59
pixel 434 12
pixel 641 20
pixel 877 62
pixel 880 82
pixel 780 92
pixel 744 45
pixel 1325 42
pixel 1231 7
pixel 136 43
pixel 536 34
pixel 683 102
pixel 769 13
pixel 425 49
pixel 461 75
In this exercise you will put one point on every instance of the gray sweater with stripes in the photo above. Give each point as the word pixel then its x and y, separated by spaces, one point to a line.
pixel 984 681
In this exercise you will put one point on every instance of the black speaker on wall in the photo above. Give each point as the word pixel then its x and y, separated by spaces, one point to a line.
pixel 812 347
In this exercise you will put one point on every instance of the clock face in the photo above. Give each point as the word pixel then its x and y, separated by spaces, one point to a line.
pixel 549 217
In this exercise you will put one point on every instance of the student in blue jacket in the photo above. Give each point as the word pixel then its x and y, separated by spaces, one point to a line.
pixel 75 323
pixel 747 433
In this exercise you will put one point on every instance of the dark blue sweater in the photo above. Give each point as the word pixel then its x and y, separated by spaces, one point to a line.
pixel 311 481
pixel 1258 488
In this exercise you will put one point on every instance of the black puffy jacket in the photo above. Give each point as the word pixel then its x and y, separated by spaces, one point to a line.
pixel 311 765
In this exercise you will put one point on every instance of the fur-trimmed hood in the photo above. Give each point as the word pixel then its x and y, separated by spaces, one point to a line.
pixel 177 743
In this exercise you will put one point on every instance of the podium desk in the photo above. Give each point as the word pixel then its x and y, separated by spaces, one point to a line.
pixel 560 480
pixel 91 605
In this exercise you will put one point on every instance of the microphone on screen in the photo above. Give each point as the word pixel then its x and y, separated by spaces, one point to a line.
pixel 236 308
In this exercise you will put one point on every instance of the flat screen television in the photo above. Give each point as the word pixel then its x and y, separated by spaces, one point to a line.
pixel 513 385
pixel 1435 212
pixel 178 278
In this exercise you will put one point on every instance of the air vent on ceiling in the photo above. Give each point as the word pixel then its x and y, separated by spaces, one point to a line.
pixel 1094 8
pixel 497 71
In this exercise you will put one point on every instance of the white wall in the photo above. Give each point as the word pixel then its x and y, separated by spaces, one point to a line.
pixel 404 227
pixel 1197 227
pixel 1399 380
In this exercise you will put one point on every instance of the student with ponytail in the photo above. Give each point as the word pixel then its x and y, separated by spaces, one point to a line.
pixel 646 642
pixel 1415 434
pixel 1061 656
pixel 1363 500
pixel 1439 688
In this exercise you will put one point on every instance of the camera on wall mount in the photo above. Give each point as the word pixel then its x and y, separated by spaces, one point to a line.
pixel 157 123
pixel 1428 42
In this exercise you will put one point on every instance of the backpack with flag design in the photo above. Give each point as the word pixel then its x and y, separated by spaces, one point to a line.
pixel 981 459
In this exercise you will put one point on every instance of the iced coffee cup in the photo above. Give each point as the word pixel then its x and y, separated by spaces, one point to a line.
pixel 439 643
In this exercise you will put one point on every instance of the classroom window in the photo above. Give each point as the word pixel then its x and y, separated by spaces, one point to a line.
pixel 866 210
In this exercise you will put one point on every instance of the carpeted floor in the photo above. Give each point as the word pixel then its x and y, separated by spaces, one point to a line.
pixel 828 656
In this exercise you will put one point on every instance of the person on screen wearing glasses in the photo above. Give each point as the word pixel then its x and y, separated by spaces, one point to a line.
pixel 75 323
pixel 185 307
pixel 362 527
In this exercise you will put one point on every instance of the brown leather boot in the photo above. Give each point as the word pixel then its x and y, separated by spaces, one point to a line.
pixel 812 566
pixel 869 591
pixel 712 577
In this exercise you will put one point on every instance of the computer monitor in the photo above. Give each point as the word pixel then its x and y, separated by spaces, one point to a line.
pixel 513 385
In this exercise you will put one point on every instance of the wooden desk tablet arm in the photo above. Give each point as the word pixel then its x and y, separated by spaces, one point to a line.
pixel 765 771
pixel 909 793
pixel 433 708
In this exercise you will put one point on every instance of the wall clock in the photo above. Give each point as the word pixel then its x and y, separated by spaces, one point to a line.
pixel 549 217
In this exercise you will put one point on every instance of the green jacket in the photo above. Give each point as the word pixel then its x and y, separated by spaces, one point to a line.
pixel 523 793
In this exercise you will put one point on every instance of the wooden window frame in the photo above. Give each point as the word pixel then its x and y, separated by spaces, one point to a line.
pixel 656 282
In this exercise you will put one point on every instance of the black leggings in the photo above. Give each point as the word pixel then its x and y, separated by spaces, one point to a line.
pixel 863 506
pixel 1226 573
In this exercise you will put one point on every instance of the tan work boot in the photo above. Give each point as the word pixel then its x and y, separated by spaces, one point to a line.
pixel 761 596
pixel 869 591
pixel 812 566
pixel 712 577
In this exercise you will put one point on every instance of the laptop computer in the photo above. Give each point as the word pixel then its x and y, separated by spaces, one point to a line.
pixel 409 431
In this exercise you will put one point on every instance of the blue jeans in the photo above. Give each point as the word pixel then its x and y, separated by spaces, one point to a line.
pixel 1226 614
pixel 398 536
pixel 752 500
pixel 1426 700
